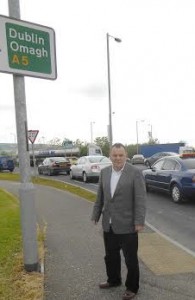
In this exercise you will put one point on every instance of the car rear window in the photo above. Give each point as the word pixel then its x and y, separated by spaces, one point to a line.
pixel 59 159
pixel 96 159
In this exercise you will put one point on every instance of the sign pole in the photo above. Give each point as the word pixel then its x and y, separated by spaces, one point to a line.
pixel 33 153
pixel 26 189
pixel 32 134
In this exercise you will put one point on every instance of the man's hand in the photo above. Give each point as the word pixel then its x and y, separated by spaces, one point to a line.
pixel 139 228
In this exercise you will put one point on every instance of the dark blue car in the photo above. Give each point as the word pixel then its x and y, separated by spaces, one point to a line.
pixel 6 163
pixel 173 174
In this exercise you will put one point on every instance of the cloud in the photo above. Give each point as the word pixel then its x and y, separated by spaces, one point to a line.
pixel 5 107
pixel 92 91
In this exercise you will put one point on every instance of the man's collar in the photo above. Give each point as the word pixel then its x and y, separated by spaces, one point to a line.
pixel 118 171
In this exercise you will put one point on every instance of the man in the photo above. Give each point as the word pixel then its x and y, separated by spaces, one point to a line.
pixel 121 200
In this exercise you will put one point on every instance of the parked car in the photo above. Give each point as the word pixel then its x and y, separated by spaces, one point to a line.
pixel 73 159
pixel 89 167
pixel 172 174
pixel 152 159
pixel 137 159
pixel 54 165
pixel 6 163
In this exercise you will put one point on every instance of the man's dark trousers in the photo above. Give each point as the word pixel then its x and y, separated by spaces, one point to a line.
pixel 129 245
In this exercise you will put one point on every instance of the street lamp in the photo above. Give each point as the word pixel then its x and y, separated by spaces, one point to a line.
pixel 91 130
pixel 137 121
pixel 150 131
pixel 110 135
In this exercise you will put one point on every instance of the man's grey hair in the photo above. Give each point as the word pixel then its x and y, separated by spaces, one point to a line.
pixel 118 145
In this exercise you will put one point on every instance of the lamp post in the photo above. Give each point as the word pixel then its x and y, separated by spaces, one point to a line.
pixel 137 134
pixel 150 132
pixel 110 135
pixel 91 130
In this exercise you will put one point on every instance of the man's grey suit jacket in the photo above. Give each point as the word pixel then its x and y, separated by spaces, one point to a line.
pixel 127 206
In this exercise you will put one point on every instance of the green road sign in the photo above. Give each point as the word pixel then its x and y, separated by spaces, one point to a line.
pixel 27 49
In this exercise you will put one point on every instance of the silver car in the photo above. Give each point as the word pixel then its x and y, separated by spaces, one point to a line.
pixel 137 159
pixel 89 167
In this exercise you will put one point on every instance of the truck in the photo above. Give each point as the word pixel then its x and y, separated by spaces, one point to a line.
pixel 148 150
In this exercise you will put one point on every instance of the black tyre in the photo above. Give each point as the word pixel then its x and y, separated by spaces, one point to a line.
pixel 50 172
pixel 176 194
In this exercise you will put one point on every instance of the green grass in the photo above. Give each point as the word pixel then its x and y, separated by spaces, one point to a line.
pixel 11 273
pixel 10 241
pixel 53 183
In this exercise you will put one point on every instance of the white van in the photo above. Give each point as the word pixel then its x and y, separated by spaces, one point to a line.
pixel 93 149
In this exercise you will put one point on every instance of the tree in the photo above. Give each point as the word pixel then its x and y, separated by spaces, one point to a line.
pixel 82 147
pixel 103 143
pixel 4 153
pixel 55 141
pixel 131 150
pixel 151 140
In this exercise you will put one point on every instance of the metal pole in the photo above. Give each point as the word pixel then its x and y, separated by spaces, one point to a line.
pixel 137 136
pixel 109 94
pixel 91 128
pixel 151 130
pixel 26 189
pixel 34 160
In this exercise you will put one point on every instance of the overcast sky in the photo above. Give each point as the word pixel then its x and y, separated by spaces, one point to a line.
pixel 152 71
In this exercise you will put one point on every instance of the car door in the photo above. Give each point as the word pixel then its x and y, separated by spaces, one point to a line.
pixel 152 177
pixel 46 165
pixel 166 173
pixel 79 167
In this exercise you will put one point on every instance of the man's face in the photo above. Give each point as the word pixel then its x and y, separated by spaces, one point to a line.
pixel 118 157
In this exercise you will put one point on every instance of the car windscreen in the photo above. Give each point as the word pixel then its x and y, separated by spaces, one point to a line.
pixel 189 163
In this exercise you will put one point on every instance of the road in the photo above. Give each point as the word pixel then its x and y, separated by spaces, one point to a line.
pixel 173 220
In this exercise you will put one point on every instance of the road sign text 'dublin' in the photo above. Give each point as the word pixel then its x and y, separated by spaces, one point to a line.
pixel 28 48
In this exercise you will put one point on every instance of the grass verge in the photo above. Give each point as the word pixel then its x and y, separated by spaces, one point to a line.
pixel 53 183
pixel 15 283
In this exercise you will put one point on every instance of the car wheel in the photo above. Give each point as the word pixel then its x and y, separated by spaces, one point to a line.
pixel 50 173
pixel 85 179
pixel 176 194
